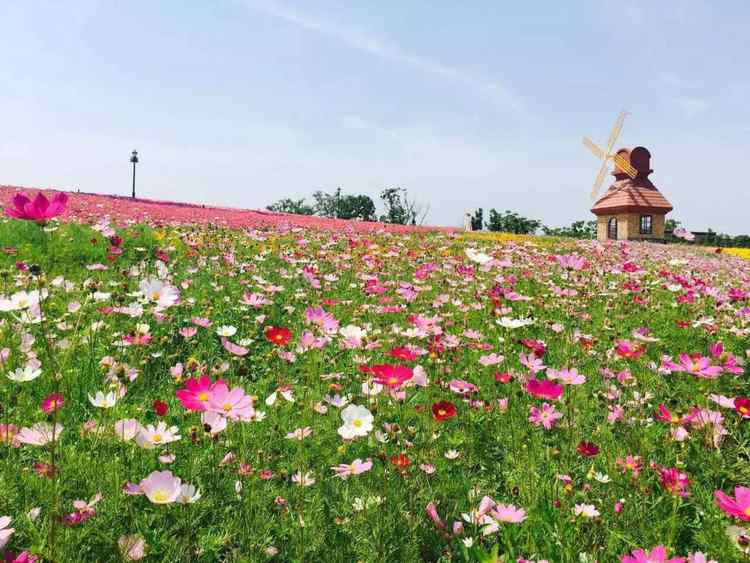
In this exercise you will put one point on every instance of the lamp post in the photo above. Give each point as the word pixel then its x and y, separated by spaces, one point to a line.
pixel 134 160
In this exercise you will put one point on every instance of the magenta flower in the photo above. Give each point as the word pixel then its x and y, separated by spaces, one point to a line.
pixel 196 394
pixel 40 210
pixel 739 506
pixel 547 416
pixel 698 365
pixel 657 555
pixel 544 389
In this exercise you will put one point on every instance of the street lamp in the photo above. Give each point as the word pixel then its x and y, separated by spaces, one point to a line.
pixel 134 160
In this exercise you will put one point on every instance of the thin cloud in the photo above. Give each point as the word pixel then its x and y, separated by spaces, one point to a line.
pixel 372 45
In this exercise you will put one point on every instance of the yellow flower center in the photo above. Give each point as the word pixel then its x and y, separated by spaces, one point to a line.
pixel 227 407
pixel 156 438
pixel 357 422
pixel 160 496
pixel 203 396
pixel 747 511
pixel 392 381
pixel 155 296
pixel 441 412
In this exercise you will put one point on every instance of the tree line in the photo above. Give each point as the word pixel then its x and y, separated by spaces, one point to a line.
pixel 399 207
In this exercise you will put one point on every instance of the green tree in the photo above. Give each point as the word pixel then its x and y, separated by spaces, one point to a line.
pixel 512 222
pixel 401 210
pixel 477 221
pixel 287 205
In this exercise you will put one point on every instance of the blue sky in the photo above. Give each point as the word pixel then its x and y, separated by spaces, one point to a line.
pixel 466 104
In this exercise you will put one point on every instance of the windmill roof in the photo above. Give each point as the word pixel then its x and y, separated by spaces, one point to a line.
pixel 627 195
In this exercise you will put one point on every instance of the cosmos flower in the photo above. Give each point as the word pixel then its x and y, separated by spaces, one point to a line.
pixel 443 411
pixel 5 532
pixel 278 336
pixel 40 209
pixel 151 436
pixel 657 555
pixel 161 487
pixel 358 421
pixel 391 376
pixel 357 467
pixel 40 434
pixel 233 404
pixel 53 402
pixel 103 401
pixel 737 507
pixel 544 389
pixel 547 416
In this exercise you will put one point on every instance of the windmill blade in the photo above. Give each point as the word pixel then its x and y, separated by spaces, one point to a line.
pixel 594 148
pixel 623 164
pixel 615 132
pixel 599 179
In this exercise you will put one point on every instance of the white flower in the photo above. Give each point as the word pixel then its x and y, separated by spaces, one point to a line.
pixel 357 422
pixel 586 510
pixel 104 401
pixel 226 330
pixel 127 429
pixel 159 292
pixel 149 437
pixel 507 322
pixel 352 331
pixel 468 542
pixel 188 494
pixel 27 373
pixel 479 257
pixel 452 454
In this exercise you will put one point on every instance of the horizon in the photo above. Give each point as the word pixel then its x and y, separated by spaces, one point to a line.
pixel 242 103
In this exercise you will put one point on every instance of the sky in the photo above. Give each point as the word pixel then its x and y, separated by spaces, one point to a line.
pixel 464 104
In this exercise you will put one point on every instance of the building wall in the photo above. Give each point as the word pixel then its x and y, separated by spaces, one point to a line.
pixel 629 226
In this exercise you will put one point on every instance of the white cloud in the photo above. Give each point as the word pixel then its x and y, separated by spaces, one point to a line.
pixel 368 43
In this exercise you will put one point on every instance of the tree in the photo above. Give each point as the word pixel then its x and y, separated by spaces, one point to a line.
pixel 511 222
pixel 287 205
pixel 401 210
pixel 338 205
pixel 356 207
pixel 477 221
pixel 577 229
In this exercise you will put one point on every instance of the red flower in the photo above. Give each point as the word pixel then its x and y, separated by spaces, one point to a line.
pixel 401 462
pixel 536 346
pixel 588 449
pixel 278 335
pixel 742 406
pixel 391 376
pixel 53 402
pixel 503 377
pixel 401 353
pixel 160 408
pixel 443 410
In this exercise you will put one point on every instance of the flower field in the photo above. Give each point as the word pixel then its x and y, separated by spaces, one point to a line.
pixel 193 390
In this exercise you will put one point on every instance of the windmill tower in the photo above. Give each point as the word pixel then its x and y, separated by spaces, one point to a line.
pixel 632 208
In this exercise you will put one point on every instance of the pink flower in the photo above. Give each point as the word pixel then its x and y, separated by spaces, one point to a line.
pixel 508 513
pixel 324 320
pixel 567 376
pixel 234 404
pixel 674 481
pixel 233 348
pixel 161 487
pixel 434 516
pixel 357 467
pixel 5 532
pixel 698 365
pixel 657 555
pixel 547 416
pixel 533 363
pixel 462 387
pixel 132 548
pixel 738 507
pixel 544 389
pixel 40 210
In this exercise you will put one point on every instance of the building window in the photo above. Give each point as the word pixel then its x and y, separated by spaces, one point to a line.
pixel 612 229
pixel 646 227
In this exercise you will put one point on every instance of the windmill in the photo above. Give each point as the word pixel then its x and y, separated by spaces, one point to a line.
pixel 606 155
